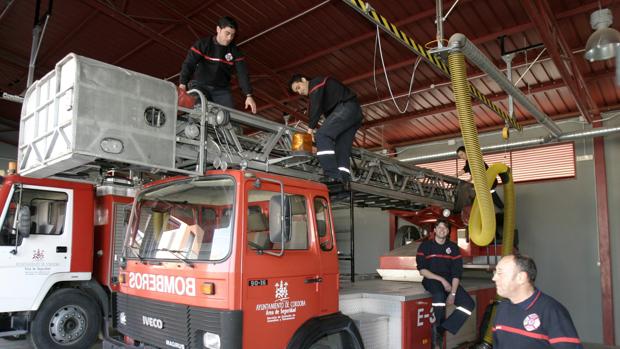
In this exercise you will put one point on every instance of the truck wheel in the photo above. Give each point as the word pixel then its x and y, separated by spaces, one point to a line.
pixel 68 319
pixel 334 331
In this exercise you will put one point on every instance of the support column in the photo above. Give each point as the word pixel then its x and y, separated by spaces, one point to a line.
pixel 604 241
pixel 393 221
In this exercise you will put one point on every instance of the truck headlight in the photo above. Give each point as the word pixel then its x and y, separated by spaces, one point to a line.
pixel 211 340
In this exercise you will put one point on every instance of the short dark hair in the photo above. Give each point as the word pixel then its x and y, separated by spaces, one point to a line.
pixel 461 148
pixel 295 78
pixel 227 22
pixel 444 221
pixel 526 264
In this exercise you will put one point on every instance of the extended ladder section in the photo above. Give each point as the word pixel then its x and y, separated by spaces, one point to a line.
pixel 86 117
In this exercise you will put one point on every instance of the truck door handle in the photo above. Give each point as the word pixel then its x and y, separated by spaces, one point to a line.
pixel 61 249
pixel 313 280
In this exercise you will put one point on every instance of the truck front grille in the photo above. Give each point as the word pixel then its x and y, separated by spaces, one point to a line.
pixel 169 325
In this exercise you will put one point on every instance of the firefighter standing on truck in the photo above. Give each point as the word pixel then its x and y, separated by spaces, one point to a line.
pixel 439 261
pixel 210 60
pixel 343 117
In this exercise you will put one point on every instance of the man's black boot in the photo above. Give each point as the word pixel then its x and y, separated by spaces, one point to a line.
pixel 437 337
pixel 346 182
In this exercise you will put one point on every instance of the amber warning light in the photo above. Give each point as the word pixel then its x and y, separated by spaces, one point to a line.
pixel 302 143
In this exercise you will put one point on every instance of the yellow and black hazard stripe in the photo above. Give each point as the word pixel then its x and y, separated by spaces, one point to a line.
pixel 419 49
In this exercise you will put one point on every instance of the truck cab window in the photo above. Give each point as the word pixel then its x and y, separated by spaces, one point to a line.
pixel 323 223
pixel 47 212
pixel 258 222
pixel 188 221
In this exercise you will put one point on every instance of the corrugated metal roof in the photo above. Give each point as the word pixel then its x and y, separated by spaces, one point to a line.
pixel 320 38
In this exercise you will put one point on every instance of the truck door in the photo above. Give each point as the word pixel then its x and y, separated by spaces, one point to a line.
pixel 328 254
pixel 30 264
pixel 279 292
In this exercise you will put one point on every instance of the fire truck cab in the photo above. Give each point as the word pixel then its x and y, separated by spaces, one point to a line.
pixel 234 259
pixel 57 256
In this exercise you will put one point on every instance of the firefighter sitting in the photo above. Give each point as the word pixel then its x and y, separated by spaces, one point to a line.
pixel 440 263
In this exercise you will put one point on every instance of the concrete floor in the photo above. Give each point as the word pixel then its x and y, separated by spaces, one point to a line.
pixel 23 344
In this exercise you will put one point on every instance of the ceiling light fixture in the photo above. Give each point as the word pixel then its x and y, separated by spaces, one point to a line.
pixel 603 43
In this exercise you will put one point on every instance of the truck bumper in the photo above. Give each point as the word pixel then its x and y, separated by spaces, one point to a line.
pixel 111 343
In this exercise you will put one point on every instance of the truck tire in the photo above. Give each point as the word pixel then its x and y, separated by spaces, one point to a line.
pixel 67 319
pixel 334 331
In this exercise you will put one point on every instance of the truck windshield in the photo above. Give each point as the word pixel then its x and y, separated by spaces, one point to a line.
pixel 188 220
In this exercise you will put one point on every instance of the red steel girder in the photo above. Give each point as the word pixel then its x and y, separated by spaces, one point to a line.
pixel 133 24
pixel 549 85
pixel 361 38
pixel 547 26
pixel 519 28
pixel 457 133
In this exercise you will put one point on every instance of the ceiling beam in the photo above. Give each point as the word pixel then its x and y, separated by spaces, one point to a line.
pixel 539 88
pixel 555 117
pixel 547 26
pixel 280 106
pixel 428 14
pixel 164 31
pixel 131 23
pixel 425 14
pixel 6 9
pixel 446 108
pixel 361 38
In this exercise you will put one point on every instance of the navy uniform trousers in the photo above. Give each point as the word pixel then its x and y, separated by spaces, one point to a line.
pixel 463 302
pixel 335 138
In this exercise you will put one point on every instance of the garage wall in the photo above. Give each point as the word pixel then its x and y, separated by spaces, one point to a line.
pixel 558 227
pixel 371 238
pixel 7 153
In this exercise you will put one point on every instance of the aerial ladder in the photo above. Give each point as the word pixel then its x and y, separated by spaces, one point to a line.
pixel 87 117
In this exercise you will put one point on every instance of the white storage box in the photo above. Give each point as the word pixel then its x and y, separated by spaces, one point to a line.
pixel 86 111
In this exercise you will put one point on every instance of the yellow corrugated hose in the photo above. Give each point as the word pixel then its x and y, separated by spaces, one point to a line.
pixel 482 216
pixel 475 221
pixel 486 230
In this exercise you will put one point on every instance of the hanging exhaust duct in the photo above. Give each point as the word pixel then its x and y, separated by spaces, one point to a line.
pixel 460 42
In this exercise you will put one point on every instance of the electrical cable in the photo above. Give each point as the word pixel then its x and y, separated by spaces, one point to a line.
pixel 374 74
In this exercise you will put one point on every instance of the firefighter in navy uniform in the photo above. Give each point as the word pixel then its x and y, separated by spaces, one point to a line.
pixel 440 263
pixel 343 117
pixel 462 154
pixel 528 318
pixel 211 60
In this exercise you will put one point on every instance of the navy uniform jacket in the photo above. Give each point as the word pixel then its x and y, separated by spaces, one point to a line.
pixel 212 65
pixel 538 322
pixel 466 169
pixel 444 260
pixel 325 94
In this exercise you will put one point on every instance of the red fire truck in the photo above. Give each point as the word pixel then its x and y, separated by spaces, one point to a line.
pixel 59 257
pixel 224 258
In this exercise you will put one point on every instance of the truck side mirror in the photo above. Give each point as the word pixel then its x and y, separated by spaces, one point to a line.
pixel 276 228
pixel 24 221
